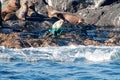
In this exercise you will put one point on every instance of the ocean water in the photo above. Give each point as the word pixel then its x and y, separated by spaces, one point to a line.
pixel 60 63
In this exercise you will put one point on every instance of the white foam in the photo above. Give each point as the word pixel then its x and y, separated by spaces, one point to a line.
pixel 98 55
pixel 63 54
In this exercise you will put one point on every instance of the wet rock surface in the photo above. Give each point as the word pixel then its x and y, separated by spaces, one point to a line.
pixel 28 35
pixel 101 27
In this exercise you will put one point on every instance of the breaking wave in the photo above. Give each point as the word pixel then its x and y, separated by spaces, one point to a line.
pixel 61 54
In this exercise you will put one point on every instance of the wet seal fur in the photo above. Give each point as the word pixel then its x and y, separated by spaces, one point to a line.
pixel 70 17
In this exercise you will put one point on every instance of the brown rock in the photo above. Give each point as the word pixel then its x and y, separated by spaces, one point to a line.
pixel 91 42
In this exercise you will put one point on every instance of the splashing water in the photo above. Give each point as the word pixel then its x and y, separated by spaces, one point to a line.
pixel 60 63
pixel 62 54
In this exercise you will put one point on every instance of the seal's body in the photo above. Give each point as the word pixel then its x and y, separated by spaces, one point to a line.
pixel 11 6
pixel 22 12
pixel 70 17
pixel 9 16
pixel 31 9
pixel 9 9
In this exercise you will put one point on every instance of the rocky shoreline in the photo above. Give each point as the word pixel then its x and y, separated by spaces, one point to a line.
pixel 102 28
pixel 32 36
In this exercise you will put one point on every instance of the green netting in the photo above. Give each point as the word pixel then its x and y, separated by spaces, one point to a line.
pixel 56 31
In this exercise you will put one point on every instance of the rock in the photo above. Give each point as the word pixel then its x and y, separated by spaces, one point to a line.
pixel 6 31
pixel 104 16
pixel 9 40
pixel 0 15
pixel 76 5
pixel 72 44
pixel 91 42
pixel 101 27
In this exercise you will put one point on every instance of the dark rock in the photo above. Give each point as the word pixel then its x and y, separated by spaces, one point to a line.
pixel 6 31
pixel 104 16
pixel 101 27
pixel 0 15
pixel 107 15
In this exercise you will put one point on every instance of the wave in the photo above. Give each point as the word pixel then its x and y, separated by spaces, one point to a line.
pixel 61 54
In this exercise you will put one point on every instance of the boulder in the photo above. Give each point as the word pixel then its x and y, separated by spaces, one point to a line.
pixel 104 16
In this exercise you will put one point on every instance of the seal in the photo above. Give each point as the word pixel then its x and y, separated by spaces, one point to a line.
pixel 70 17
pixel 31 13
pixel 9 8
pixel 22 12
pixel 66 16
pixel 31 9
pixel 32 4
pixel 10 16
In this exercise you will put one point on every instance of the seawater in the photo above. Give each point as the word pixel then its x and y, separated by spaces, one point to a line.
pixel 60 63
